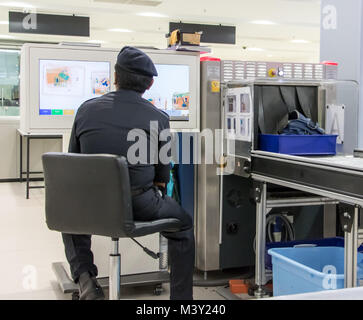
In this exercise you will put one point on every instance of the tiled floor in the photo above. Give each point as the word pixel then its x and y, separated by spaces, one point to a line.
pixel 28 248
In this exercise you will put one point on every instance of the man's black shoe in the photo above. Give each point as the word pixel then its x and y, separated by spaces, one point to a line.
pixel 89 288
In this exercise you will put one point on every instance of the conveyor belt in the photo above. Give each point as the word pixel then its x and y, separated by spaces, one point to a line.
pixel 340 174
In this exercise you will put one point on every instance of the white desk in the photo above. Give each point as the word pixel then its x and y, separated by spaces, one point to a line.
pixel 29 137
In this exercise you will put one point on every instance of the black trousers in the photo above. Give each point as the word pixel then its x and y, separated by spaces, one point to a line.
pixel 147 207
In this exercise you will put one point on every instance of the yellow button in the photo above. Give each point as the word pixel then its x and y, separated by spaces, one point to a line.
pixel 272 73
pixel 68 112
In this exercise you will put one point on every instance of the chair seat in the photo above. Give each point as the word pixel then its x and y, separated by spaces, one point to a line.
pixel 162 225
pixel 91 194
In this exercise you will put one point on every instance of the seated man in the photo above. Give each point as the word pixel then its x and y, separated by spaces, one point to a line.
pixel 101 127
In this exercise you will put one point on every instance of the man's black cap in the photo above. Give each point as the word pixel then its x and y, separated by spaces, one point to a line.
pixel 135 61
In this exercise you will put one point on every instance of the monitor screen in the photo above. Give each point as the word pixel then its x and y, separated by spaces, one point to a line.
pixel 65 85
pixel 171 91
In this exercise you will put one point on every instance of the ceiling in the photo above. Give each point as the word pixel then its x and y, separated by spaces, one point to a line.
pixel 286 30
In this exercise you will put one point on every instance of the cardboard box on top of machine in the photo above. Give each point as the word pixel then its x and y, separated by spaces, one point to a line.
pixel 177 37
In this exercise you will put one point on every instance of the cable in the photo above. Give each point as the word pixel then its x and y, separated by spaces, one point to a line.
pixel 288 235
pixel 210 283
pixel 150 253
pixel 197 283
pixel 222 282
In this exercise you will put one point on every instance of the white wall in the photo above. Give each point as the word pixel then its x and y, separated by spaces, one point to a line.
pixel 342 41
pixel 10 149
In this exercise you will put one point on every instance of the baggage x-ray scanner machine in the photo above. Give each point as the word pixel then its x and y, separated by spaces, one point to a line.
pixel 232 208
pixel 319 180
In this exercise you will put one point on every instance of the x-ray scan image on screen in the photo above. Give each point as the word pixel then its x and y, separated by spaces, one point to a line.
pixel 65 85
pixel 171 91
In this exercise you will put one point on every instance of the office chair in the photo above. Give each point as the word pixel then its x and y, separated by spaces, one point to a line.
pixel 91 195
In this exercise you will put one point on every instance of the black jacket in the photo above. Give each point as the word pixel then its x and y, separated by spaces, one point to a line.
pixel 103 124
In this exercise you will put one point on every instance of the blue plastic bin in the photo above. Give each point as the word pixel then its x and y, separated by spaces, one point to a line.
pixel 327 242
pixel 299 145
pixel 300 270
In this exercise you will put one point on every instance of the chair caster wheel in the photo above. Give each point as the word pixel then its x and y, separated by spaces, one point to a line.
pixel 158 290
pixel 75 296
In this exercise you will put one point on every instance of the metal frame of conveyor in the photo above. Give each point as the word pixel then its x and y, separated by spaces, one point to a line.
pixel 331 182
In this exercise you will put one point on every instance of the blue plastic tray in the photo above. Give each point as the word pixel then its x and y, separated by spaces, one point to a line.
pixel 302 270
pixel 327 242
pixel 299 145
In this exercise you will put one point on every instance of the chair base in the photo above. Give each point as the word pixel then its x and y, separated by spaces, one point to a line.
pixel 137 280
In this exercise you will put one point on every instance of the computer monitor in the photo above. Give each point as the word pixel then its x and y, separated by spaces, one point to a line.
pixel 55 80
pixel 171 91
pixel 65 84
pixel 176 90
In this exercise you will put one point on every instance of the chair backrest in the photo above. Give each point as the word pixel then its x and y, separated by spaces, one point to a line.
pixel 88 194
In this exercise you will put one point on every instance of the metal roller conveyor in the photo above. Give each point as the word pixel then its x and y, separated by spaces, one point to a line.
pixel 338 177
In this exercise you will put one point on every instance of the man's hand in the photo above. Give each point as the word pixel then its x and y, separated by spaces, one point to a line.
pixel 160 184
pixel 162 188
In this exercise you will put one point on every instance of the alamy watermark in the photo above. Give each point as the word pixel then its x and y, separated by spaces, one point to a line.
pixel 30 21
pixel 330 279
pixel 163 147
pixel 30 278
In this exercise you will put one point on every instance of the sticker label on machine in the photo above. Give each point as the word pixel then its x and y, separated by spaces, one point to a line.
pixel 335 119
pixel 239 111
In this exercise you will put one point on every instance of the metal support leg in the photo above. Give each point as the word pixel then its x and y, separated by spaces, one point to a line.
pixel 21 158
pixel 350 250
pixel 163 260
pixel 261 210
pixel 115 272
pixel 27 166
pixel 330 220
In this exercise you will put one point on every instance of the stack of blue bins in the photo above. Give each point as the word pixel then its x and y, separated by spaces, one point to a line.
pixel 304 268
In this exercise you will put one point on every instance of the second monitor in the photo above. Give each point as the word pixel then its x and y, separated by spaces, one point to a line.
pixel 171 91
